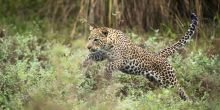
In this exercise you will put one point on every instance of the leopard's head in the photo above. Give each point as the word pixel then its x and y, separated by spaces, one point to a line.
pixel 98 39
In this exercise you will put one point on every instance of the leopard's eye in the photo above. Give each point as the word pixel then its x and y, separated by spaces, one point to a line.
pixel 96 39
pixel 89 38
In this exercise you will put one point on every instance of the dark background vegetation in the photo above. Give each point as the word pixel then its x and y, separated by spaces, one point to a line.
pixel 42 44
pixel 143 14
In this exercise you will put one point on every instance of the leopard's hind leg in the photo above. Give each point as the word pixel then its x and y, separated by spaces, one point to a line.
pixel 182 93
pixel 168 79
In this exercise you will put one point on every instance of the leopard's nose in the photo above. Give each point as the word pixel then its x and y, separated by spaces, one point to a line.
pixel 89 47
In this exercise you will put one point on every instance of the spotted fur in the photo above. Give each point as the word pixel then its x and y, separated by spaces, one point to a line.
pixel 121 54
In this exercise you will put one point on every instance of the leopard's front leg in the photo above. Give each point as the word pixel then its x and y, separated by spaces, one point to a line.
pixel 94 56
pixel 112 66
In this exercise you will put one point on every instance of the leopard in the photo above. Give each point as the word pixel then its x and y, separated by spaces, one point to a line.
pixel 123 55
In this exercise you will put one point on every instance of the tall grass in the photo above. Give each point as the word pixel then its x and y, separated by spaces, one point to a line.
pixel 141 14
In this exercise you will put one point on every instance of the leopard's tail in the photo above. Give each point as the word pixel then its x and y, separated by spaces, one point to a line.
pixel 176 46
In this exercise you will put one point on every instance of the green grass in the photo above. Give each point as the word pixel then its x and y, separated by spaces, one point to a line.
pixel 40 70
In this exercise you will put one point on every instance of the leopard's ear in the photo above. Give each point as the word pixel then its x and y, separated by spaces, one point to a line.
pixel 105 32
pixel 91 28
